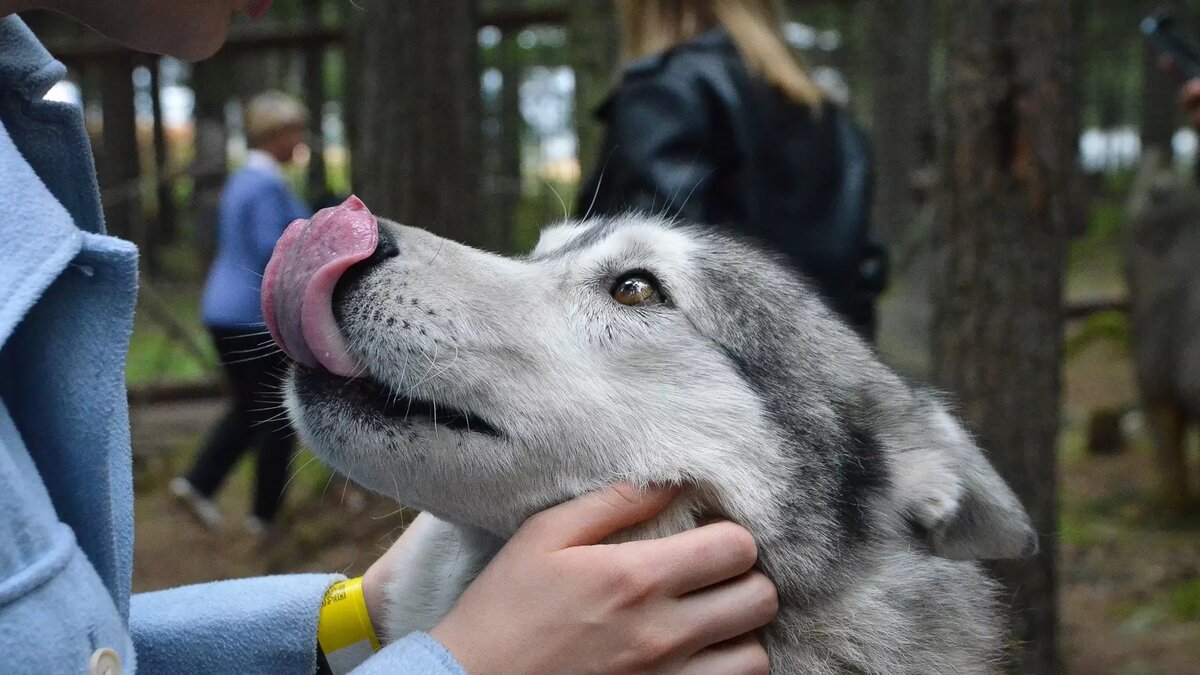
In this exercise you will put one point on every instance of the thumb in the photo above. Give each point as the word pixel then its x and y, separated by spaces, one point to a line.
pixel 591 518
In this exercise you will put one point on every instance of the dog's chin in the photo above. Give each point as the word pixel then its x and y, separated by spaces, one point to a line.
pixel 372 399
pixel 376 436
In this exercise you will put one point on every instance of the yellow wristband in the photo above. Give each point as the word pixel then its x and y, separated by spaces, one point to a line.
pixel 344 629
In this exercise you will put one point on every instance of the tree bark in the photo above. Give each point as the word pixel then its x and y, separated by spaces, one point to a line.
pixel 1159 107
pixel 119 167
pixel 901 38
pixel 211 82
pixel 1008 153
pixel 593 44
pixel 314 100
pixel 511 134
pixel 165 230
pixel 418 153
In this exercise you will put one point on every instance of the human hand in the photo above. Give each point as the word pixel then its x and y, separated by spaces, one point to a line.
pixel 556 600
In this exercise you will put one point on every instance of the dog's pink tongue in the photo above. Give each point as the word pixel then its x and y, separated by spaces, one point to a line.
pixel 297 288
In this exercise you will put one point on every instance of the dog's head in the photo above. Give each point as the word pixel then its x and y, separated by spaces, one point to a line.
pixel 484 388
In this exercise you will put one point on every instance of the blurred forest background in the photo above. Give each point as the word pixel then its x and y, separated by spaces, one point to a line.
pixel 473 119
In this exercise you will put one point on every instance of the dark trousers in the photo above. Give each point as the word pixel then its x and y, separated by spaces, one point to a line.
pixel 253 366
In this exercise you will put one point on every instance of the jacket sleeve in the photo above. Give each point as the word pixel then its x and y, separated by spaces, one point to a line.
pixel 261 625
pixel 659 151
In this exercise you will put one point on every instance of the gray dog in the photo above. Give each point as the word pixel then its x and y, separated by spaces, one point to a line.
pixel 1162 244
pixel 482 389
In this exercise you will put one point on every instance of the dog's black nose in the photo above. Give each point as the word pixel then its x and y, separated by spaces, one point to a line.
pixel 386 248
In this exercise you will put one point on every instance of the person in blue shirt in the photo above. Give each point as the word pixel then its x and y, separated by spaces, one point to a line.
pixel 256 206
pixel 553 599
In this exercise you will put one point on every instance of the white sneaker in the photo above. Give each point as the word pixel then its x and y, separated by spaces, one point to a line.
pixel 203 509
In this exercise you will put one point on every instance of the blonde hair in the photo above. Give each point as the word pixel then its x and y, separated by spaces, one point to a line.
pixel 756 26
pixel 271 112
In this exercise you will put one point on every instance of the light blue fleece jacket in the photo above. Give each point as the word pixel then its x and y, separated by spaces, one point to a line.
pixel 67 295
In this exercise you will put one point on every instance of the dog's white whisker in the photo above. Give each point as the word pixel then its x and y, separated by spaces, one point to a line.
pixel 260 357
pixel 561 202
pixel 328 481
pixel 688 198
pixel 296 473
pixel 599 182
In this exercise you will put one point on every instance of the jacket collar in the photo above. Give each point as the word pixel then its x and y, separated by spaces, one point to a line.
pixel 26 68
pixel 47 182
pixel 260 160
pixel 50 134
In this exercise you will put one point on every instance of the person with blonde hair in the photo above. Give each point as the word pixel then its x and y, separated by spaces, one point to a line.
pixel 716 121
pixel 256 206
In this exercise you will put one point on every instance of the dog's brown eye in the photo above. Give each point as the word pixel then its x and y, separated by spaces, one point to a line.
pixel 634 291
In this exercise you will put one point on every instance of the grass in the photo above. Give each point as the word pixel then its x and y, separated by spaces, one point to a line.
pixel 157 356
pixel 1185 600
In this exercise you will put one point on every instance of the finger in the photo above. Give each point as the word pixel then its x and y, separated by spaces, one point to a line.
pixel 742 656
pixel 724 612
pixel 593 517
pixel 699 558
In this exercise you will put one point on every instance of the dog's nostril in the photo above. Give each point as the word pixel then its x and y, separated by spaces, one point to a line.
pixel 386 248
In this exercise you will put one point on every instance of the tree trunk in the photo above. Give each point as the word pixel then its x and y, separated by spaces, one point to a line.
pixel 512 133
pixel 164 231
pixel 118 164
pixel 593 44
pixel 1008 152
pixel 901 35
pixel 418 154
pixel 212 85
pixel 314 100
pixel 1160 109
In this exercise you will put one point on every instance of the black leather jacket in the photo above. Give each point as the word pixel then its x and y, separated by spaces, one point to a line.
pixel 691 133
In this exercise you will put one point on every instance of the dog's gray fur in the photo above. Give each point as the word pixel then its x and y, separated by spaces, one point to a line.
pixel 1162 242
pixel 867 499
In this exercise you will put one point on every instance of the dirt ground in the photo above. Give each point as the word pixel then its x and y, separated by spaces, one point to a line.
pixel 1130 575
pixel 1129 570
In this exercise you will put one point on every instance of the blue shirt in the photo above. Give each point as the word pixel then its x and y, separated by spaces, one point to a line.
pixel 67 295
pixel 256 207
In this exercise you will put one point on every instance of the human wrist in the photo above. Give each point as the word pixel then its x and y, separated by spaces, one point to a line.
pixel 345 632
pixel 447 636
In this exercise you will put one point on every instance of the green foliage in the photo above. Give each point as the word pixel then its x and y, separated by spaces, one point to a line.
pixel 1107 220
pixel 1185 601
pixel 1109 326
pixel 155 356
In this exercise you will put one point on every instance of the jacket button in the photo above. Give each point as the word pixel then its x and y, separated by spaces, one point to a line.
pixel 105 662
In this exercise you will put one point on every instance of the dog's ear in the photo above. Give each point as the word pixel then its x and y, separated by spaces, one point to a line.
pixel 953 495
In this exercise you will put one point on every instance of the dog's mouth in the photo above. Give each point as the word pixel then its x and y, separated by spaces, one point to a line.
pixel 366 395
